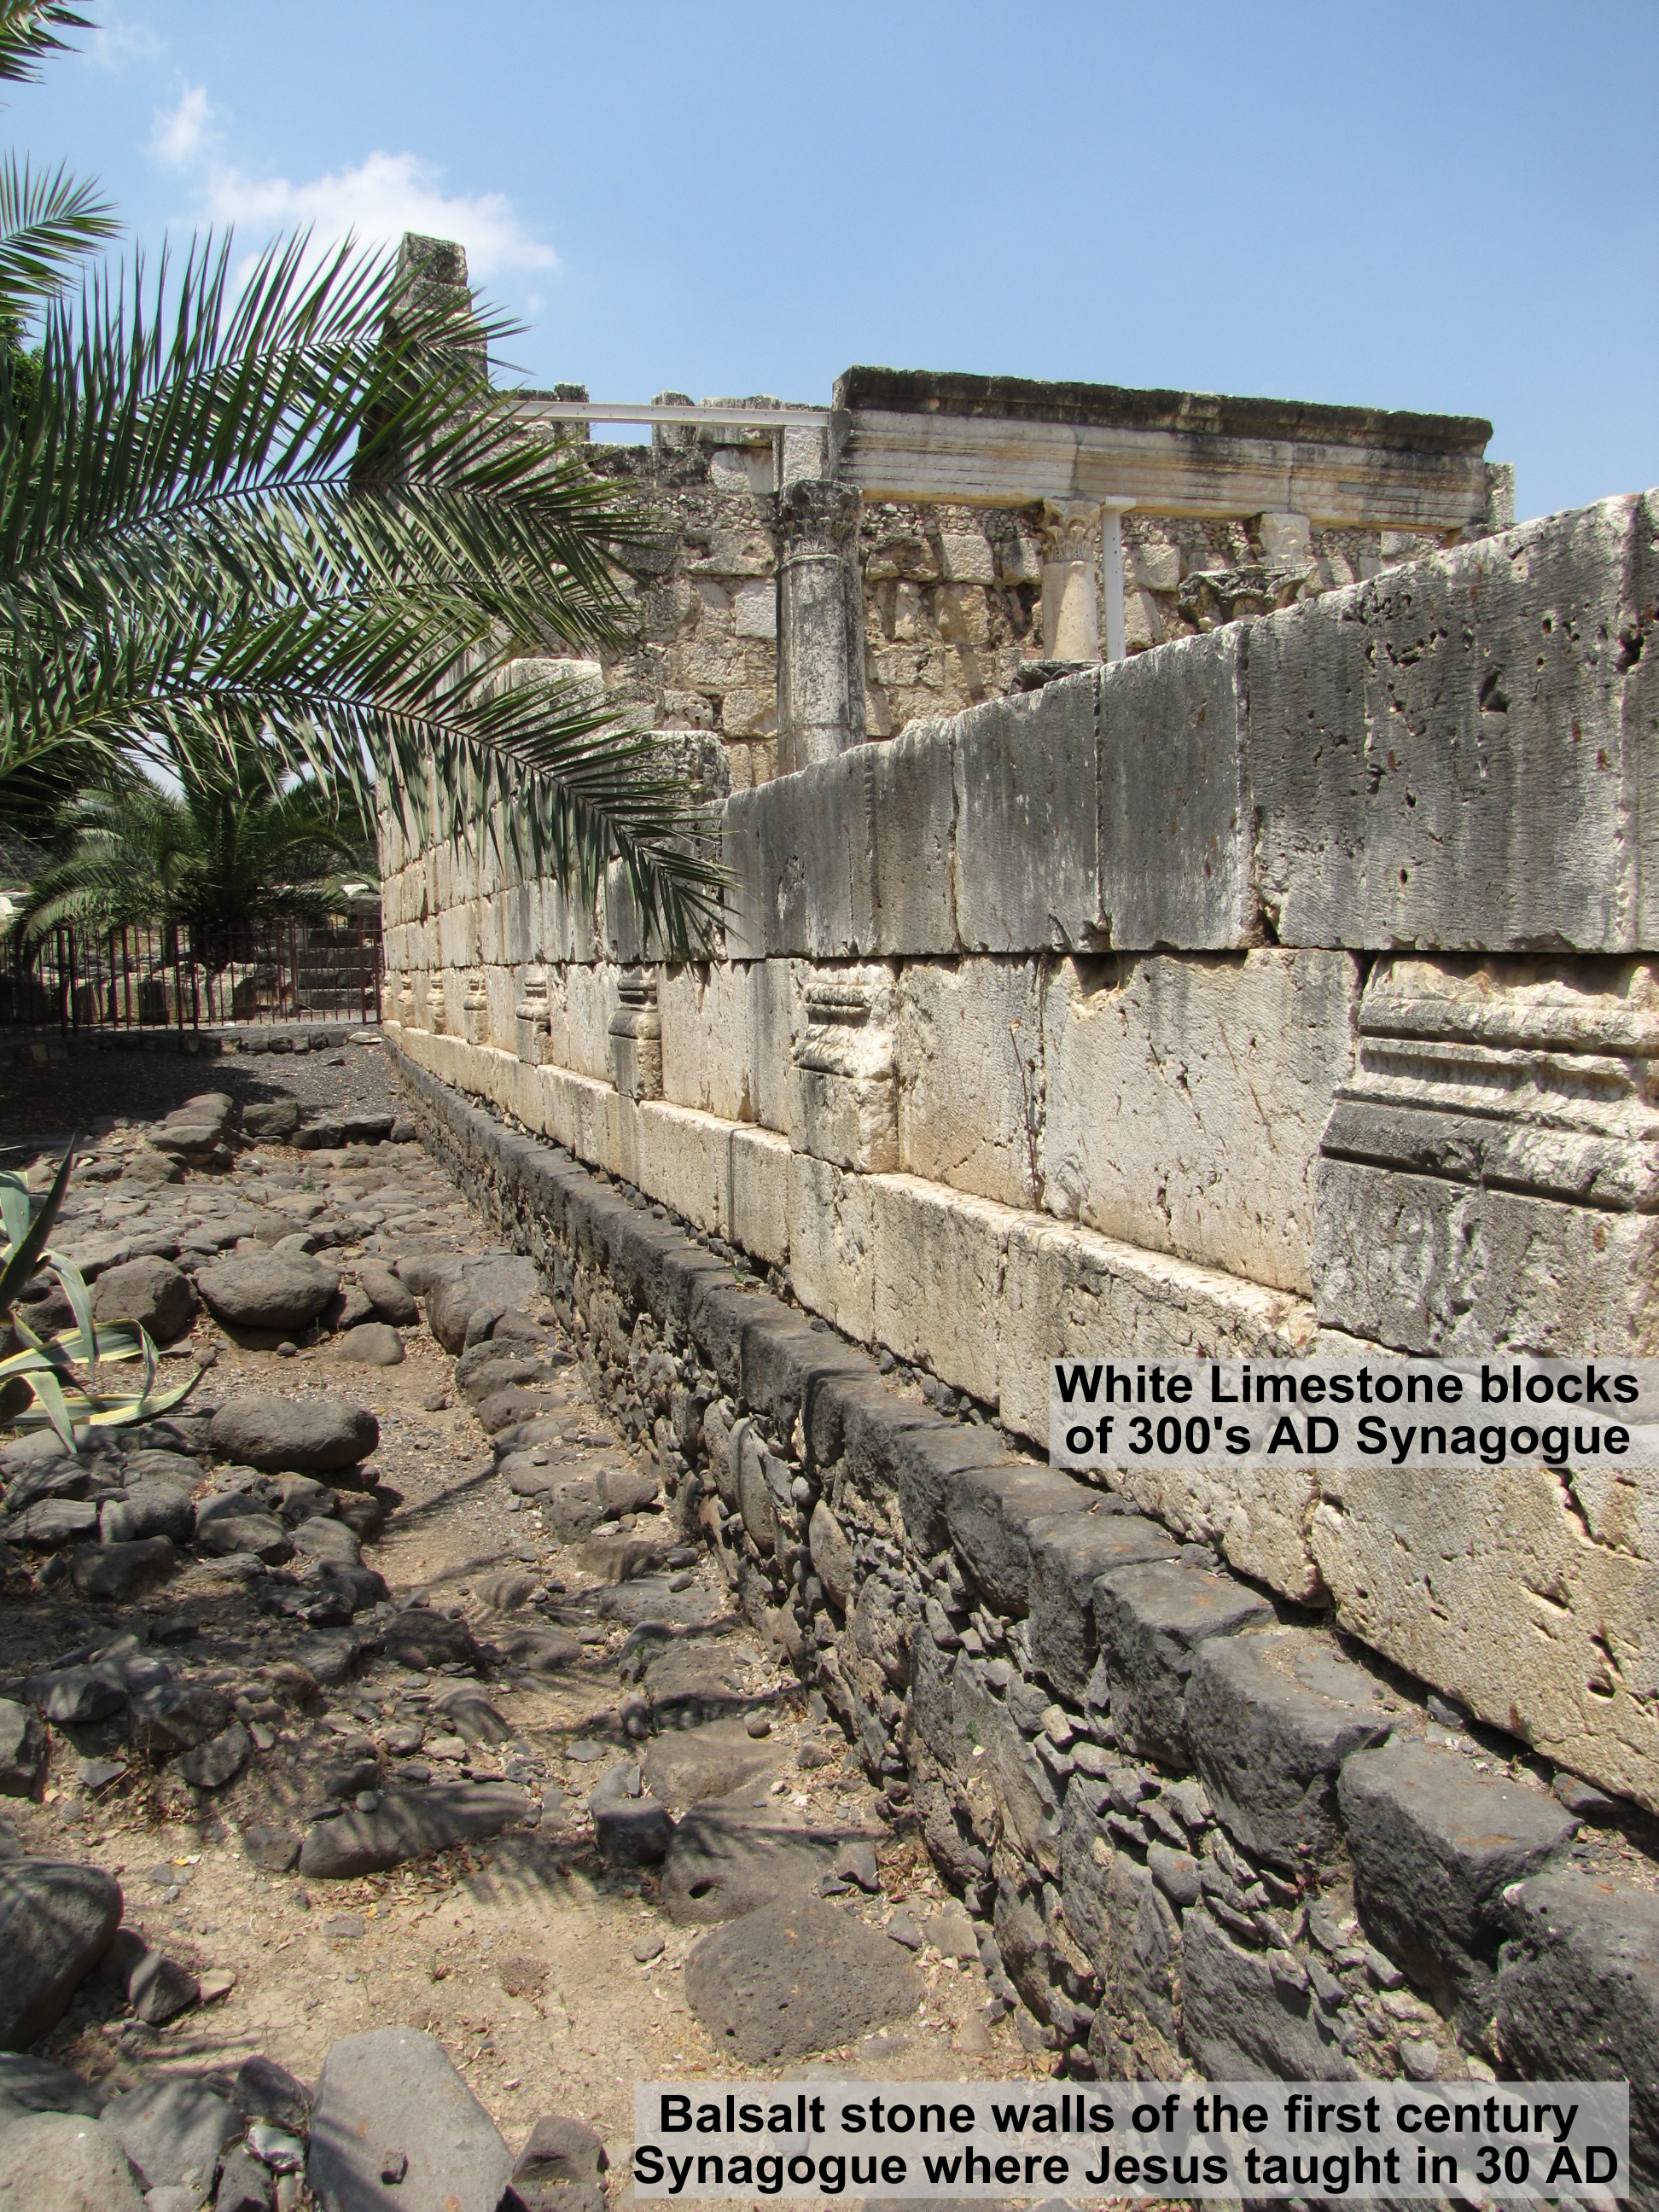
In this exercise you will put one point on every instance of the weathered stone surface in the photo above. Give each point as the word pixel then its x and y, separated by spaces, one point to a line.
pixel 559 2168
pixel 57 2162
pixel 118 1571
pixel 23 1750
pixel 1472 1284
pixel 1434 1847
pixel 477 1286
pixel 271 1119
pixel 1150 1620
pixel 1067 1556
pixel 1578 1993
pixel 990 1750
pixel 394 2089
pixel 56 1920
pixel 1242 2021
pixel 686 1765
pixel 1440 1569
pixel 272 1849
pixel 1026 854
pixel 265 2091
pixel 1402 733
pixel 408 1824
pixel 794 1977
pixel 732 1855
pixel 151 1291
pixel 35 2085
pixel 1270 1719
pixel 629 1829
pixel 831 1553
pixel 1176 833
pixel 173 1716
pixel 994 1515
pixel 244 2185
pixel 174 2131
pixel 370 1344
pixel 159 1988
pixel 325 1538
pixel 267 1289
pixel 219 1760
pixel 53 1522
pixel 1155 1065
pixel 391 1297
pixel 71 1696
pixel 159 1509
pixel 307 1436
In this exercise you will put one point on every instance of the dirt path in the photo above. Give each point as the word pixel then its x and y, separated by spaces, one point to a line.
pixel 553 1980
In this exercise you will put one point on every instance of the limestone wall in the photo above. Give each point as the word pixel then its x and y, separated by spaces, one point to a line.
pixel 1288 981
pixel 952 593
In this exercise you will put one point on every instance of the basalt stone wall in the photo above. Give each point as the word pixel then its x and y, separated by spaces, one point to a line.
pixel 1287 987
pixel 1196 1827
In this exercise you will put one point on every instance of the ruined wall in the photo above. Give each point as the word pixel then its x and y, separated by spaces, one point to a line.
pixel 952 594
pixel 1283 987
pixel 1195 1829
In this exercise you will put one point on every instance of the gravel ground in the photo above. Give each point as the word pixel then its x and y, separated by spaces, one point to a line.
pixel 553 1980
pixel 44 1103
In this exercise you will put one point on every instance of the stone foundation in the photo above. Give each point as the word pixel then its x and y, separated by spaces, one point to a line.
pixel 1197 1827
pixel 1285 987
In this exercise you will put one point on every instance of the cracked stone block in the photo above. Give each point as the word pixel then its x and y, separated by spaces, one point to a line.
pixel 1151 1621
pixel 1578 1993
pixel 1434 1847
pixel 1270 1719
pixel 995 1516
pixel 1067 1556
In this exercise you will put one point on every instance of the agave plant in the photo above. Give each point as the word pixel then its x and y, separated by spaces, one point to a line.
pixel 46 1365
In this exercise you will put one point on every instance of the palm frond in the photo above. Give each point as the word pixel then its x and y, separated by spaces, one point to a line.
pixel 28 33
pixel 303 518
pixel 48 223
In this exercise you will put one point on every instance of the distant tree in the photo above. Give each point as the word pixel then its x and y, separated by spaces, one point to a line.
pixel 224 853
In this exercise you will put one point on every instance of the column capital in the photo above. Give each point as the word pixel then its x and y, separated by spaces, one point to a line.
pixel 1071 529
pixel 814 516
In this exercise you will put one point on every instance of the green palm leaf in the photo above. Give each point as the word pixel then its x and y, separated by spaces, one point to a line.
pixel 47 223
pixel 302 520
pixel 28 33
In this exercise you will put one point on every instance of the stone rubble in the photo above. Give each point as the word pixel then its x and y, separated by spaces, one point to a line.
pixel 233 1680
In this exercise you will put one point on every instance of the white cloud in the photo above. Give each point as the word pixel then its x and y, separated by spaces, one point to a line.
pixel 179 135
pixel 115 42
pixel 376 202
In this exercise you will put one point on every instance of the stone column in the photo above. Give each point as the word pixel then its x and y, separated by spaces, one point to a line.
pixel 1070 600
pixel 1111 575
pixel 820 624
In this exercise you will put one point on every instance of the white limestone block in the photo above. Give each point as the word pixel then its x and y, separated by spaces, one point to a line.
pixel 970 1076
pixel 706 1056
pixel 831 1244
pixel 684 1160
pixel 939 1259
pixel 1486 1581
pixel 755 610
pixel 757 1207
pixel 1069 1290
pixel 965 557
pixel 1186 1098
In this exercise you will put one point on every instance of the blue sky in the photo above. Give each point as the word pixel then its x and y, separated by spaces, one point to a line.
pixel 1441 206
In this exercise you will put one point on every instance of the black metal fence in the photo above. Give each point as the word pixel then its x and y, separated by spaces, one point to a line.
pixel 186 978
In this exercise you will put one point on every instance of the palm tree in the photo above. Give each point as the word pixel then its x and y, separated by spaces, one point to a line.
pixel 297 519
pixel 223 855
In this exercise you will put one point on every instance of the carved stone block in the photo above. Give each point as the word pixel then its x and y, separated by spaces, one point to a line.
pixel 846 1076
pixel 636 1037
